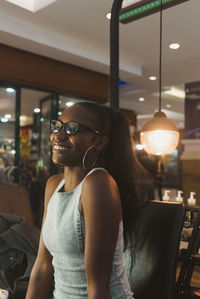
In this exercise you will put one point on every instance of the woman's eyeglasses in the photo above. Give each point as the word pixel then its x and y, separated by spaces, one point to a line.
pixel 71 127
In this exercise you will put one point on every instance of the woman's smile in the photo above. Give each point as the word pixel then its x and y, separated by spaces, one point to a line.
pixel 57 147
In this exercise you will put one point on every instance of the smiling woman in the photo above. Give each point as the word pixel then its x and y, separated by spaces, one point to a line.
pixel 90 209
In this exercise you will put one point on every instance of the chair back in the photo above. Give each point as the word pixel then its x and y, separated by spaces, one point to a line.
pixel 15 200
pixel 189 261
pixel 153 271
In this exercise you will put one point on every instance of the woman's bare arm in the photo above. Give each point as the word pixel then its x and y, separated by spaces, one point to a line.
pixel 102 212
pixel 41 282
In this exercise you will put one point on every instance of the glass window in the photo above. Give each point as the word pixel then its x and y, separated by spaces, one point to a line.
pixel 30 124
pixel 7 132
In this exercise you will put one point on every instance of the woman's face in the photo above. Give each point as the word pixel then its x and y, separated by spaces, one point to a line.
pixel 69 150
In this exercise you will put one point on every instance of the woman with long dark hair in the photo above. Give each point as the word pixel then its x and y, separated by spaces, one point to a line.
pixel 90 209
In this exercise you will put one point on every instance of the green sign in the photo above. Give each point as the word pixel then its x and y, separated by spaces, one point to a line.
pixel 135 9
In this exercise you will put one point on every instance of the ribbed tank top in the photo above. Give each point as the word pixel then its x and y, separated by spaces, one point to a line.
pixel 64 236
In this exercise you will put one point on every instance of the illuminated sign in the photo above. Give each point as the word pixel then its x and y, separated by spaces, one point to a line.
pixel 135 9
pixel 126 3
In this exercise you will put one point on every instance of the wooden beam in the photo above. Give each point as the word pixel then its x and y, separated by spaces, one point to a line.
pixel 35 71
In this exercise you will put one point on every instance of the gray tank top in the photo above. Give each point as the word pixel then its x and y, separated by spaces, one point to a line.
pixel 64 235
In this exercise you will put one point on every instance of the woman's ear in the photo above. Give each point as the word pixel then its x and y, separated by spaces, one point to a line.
pixel 102 142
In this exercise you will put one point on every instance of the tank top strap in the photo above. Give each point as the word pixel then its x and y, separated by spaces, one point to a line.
pixel 93 170
pixel 60 185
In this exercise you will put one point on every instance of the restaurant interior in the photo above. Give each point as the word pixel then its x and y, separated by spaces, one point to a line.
pixel 58 54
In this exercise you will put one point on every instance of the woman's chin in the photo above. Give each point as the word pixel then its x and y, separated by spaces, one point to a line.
pixel 66 161
pixel 58 162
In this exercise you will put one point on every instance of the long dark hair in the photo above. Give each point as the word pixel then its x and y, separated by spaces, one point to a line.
pixel 120 160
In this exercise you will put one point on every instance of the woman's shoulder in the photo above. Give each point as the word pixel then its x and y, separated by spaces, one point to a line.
pixel 98 177
pixel 54 180
pixel 52 184
pixel 100 190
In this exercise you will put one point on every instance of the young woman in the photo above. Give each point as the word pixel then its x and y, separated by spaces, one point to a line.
pixel 90 209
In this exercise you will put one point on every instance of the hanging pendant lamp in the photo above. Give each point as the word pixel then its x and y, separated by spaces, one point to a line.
pixel 159 136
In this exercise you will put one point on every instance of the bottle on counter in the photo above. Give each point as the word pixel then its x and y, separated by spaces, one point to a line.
pixel 191 200
pixel 179 198
pixel 166 196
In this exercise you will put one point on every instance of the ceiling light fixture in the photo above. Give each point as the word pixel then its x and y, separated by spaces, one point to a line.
pixel 174 46
pixel 152 78
pixel 9 89
pixel 108 16
pixel 36 110
pixel 32 5
pixel 159 135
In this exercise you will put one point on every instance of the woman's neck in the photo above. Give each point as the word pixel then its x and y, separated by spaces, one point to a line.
pixel 73 176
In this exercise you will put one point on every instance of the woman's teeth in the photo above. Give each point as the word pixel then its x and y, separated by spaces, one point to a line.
pixel 58 147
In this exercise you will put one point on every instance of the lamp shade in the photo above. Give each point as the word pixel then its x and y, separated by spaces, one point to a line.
pixel 159 135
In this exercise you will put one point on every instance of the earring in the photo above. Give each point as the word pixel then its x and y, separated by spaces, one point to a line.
pixel 84 158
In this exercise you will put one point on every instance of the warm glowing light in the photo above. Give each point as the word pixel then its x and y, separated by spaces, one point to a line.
pixel 9 89
pixel 108 16
pixel 174 46
pixel 152 78
pixel 36 110
pixel 159 142
pixel 159 135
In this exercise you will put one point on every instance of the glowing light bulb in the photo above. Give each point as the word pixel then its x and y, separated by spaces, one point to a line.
pixel 152 78
pixel 108 16
pixel 159 142
pixel 174 46
pixel 36 110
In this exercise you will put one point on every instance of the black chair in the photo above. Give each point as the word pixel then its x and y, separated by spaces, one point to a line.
pixel 153 272
pixel 190 260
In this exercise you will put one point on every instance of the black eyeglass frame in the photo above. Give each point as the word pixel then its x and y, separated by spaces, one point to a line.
pixel 64 125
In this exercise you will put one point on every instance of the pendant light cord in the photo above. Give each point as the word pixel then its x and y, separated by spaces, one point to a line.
pixel 160 61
